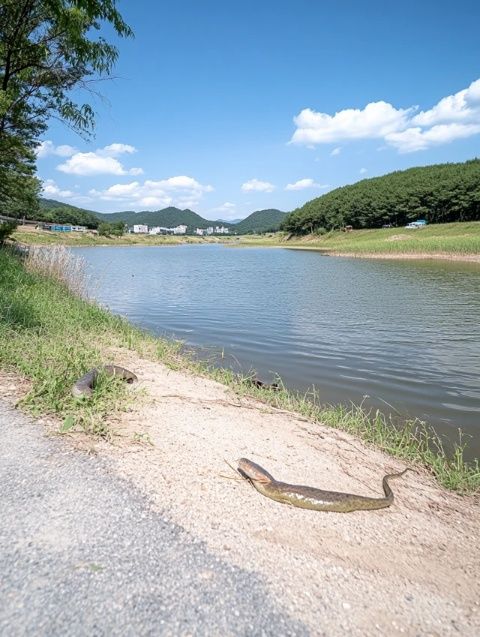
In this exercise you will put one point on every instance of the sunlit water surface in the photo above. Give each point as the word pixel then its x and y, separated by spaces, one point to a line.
pixel 404 334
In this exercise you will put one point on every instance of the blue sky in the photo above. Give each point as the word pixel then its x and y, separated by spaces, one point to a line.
pixel 231 107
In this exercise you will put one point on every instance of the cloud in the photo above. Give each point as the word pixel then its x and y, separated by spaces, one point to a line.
pixel 453 117
pixel 46 148
pixel 413 139
pixel 181 191
pixel 302 184
pixel 101 162
pixel 50 189
pixel 362 171
pixel 336 151
pixel 227 210
pixel 377 119
pixel 258 186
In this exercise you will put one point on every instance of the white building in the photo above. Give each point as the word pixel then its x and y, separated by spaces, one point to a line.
pixel 209 230
pixel 221 230
pixel 200 232
pixel 181 229
pixel 140 229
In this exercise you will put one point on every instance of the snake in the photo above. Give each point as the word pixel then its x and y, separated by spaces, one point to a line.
pixel 310 497
pixel 85 385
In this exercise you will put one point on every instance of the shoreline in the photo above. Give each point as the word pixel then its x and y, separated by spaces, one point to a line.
pixel 61 313
pixel 394 256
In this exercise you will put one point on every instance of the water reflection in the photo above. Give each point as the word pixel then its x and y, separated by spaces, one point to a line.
pixel 404 333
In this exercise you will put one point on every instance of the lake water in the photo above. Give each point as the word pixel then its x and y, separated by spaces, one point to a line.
pixel 405 334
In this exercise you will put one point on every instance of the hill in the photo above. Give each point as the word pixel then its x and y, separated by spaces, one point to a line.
pixel 167 218
pixel 439 193
pixel 58 212
pixel 261 221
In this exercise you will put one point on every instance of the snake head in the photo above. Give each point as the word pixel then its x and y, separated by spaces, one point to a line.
pixel 253 471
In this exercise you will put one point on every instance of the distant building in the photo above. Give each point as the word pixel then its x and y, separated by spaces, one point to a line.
pixel 209 230
pixel 58 227
pixel 200 231
pixel 181 229
pixel 140 229
pixel 221 230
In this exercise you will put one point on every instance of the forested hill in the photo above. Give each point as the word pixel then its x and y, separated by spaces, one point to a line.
pixel 58 212
pixel 440 193
pixel 261 221
pixel 166 218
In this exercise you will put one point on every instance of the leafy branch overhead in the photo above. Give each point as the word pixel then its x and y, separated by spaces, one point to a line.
pixel 47 49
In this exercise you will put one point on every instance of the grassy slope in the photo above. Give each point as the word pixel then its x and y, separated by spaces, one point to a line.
pixel 52 338
pixel 454 239
pixel 450 238
pixel 42 237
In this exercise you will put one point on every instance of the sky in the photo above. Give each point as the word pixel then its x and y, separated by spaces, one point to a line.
pixel 230 107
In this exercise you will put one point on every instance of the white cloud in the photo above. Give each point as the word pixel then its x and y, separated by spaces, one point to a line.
pixel 413 139
pixel 117 149
pixel 302 184
pixel 46 148
pixel 180 191
pixel 258 186
pixel 50 189
pixel 463 107
pixel 362 171
pixel 454 117
pixel 376 120
pixel 101 162
pixel 336 151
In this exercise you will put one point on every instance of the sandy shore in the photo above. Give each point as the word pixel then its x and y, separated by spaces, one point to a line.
pixel 411 569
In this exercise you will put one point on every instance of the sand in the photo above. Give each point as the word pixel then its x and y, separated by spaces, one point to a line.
pixel 411 569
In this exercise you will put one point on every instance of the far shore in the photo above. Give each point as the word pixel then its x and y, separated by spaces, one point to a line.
pixel 458 242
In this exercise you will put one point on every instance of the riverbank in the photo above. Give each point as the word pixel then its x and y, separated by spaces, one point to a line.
pixel 449 241
pixel 29 235
pixel 187 533
pixel 42 321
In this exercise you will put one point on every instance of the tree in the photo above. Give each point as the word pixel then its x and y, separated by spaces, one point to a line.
pixel 47 49
pixel 116 229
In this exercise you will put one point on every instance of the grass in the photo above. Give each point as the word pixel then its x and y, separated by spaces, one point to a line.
pixel 52 336
pixel 447 239
pixel 30 236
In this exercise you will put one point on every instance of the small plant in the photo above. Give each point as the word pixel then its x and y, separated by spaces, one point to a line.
pixel 7 228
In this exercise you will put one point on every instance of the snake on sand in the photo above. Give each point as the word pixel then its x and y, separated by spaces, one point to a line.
pixel 310 497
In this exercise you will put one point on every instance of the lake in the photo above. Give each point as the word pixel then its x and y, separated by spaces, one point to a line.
pixel 403 336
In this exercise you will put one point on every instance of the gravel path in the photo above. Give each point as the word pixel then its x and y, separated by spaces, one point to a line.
pixel 83 553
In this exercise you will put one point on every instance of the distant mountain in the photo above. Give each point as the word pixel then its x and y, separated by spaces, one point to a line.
pixel 261 221
pixel 166 218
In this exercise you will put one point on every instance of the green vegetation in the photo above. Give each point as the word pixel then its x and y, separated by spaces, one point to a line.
pixel 52 337
pixel 52 211
pixel 448 239
pixel 260 221
pixel 166 218
pixel 47 49
pixel 441 193
pixel 111 229
pixel 7 228
pixel 30 236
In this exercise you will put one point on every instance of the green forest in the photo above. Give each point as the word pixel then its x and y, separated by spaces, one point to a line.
pixel 440 193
